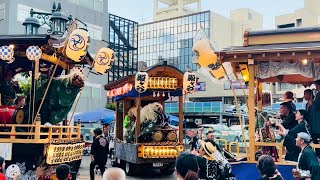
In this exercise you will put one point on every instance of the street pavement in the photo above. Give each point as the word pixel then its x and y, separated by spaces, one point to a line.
pixel 147 174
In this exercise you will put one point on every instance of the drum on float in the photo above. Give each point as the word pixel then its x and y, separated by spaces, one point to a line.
pixel 11 115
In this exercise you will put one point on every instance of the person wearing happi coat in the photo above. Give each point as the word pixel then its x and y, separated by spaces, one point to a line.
pixel 308 165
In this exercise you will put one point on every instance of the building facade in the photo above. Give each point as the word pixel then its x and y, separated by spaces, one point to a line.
pixel 309 15
pixel 175 8
pixel 94 13
pixel 123 36
pixel 171 40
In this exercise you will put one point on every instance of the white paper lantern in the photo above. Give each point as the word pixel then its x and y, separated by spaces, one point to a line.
pixel 141 81
pixel 77 44
pixel 33 53
pixel 103 60
pixel 12 171
pixel 189 82
pixel 6 53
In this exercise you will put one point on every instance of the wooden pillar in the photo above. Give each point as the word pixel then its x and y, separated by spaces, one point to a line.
pixel 181 119
pixel 137 133
pixel 251 110
pixel 118 123
pixel 259 102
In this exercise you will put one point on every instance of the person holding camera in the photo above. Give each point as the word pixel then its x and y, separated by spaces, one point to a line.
pixel 290 135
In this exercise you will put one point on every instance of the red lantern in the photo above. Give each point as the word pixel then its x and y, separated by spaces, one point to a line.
pixel 129 87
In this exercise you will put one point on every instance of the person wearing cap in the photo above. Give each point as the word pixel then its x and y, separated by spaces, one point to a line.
pixel 308 165
pixel 212 162
pixel 315 117
pixel 287 115
pixel 99 152
pixel 293 151
pixel 187 167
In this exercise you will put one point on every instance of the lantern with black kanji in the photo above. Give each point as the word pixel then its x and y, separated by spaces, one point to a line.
pixel 189 82
pixel 141 82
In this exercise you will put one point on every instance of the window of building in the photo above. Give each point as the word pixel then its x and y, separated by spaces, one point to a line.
pixel 286 26
pixel 250 16
pixel 95 31
pixel 2 11
pixel 23 12
pixel 299 22
pixel 73 1
pixel 96 92
pixel 87 92
pixel 98 5
pixel 286 86
pixel 87 4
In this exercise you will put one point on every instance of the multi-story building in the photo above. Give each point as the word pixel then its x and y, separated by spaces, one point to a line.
pixel 123 36
pixel 94 13
pixel 171 40
pixel 307 16
pixel 171 37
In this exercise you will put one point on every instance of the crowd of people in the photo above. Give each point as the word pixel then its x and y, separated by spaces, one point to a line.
pixel 297 130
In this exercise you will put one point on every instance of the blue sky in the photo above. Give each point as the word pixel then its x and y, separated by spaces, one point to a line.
pixel 142 10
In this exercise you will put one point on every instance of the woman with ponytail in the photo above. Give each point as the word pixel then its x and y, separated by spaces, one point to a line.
pixel 187 167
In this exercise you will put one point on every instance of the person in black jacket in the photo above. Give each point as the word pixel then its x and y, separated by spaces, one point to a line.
pixel 99 152
pixel 315 118
pixel 293 151
pixel 288 116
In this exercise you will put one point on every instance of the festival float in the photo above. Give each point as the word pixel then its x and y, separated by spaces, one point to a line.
pixel 36 138
pixel 142 129
pixel 284 55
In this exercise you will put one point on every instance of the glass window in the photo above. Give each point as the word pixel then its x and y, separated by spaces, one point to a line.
pixel 73 1
pixel 96 92
pixel 207 17
pixel 87 92
pixel 171 46
pixel 87 4
pixel 98 5
pixel 250 16
pixel 187 28
pixel 2 11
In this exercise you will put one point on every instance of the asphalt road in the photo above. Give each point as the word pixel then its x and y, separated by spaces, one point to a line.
pixel 145 174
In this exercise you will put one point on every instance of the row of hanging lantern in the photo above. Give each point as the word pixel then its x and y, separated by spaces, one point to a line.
pixel 75 49
pixel 33 53
pixel 142 79
pixel 120 91
pixel 158 94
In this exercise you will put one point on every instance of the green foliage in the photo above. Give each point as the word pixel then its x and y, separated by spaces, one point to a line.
pixel 111 106
pixel 26 86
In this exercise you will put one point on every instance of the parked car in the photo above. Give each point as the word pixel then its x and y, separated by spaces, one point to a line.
pixel 221 131
pixel 238 130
